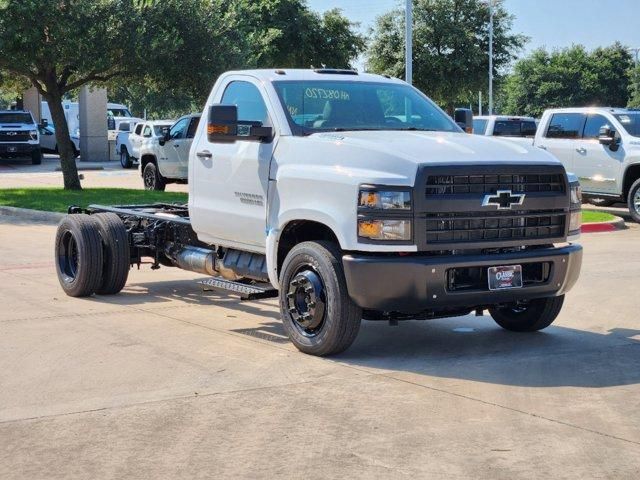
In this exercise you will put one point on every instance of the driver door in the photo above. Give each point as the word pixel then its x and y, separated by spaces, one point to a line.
pixel 170 162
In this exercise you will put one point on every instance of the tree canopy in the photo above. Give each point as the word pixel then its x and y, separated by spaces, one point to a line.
pixel 450 47
pixel 571 77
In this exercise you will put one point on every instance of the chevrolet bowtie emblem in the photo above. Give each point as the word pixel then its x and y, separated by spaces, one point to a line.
pixel 503 199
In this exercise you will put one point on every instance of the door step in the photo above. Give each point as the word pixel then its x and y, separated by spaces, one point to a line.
pixel 246 292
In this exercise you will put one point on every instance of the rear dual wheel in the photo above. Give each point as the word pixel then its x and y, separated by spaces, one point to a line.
pixel 92 254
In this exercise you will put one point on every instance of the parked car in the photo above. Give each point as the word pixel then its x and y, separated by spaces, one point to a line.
pixel 520 129
pixel 166 159
pixel 19 136
pixel 129 141
pixel 348 196
pixel 601 146
pixel 48 142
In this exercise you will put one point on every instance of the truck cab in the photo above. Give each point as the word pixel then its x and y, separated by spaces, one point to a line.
pixel 518 129
pixel 601 146
pixel 353 196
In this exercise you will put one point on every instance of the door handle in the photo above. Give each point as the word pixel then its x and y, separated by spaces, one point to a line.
pixel 204 154
pixel 581 150
pixel 176 145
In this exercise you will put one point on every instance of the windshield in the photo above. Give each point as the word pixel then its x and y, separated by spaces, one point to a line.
pixel 630 122
pixel 317 106
pixel 15 117
pixel 118 112
pixel 514 128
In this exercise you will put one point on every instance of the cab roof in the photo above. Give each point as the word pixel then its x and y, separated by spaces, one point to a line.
pixel 614 110
pixel 275 74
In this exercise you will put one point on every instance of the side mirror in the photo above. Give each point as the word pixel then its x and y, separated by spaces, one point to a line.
pixel 165 136
pixel 224 127
pixel 464 118
pixel 607 136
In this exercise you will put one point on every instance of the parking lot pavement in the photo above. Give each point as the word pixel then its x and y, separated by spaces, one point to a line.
pixel 18 173
pixel 165 381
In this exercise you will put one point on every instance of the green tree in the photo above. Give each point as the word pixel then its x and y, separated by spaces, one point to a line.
pixel 450 47
pixel 634 88
pixel 59 46
pixel 571 77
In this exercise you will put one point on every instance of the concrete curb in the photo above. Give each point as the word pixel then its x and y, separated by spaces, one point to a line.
pixel 597 227
pixel 28 215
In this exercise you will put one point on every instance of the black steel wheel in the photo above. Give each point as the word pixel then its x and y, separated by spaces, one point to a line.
pixel 529 315
pixel 317 312
pixel 117 253
pixel 152 178
pixel 633 201
pixel 79 255
pixel 125 158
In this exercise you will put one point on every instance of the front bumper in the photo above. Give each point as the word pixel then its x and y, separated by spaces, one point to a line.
pixel 11 150
pixel 416 283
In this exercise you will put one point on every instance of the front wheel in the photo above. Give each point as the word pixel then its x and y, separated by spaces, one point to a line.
pixel 36 157
pixel 125 158
pixel 633 201
pixel 317 313
pixel 528 316
pixel 152 178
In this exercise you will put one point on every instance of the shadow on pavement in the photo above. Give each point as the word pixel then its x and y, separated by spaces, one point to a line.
pixel 468 348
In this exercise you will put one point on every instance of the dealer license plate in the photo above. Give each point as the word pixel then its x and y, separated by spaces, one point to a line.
pixel 504 278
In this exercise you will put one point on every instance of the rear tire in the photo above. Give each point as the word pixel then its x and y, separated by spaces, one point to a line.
pixel 529 316
pixel 317 313
pixel 633 201
pixel 117 253
pixel 36 157
pixel 79 255
pixel 152 178
pixel 125 158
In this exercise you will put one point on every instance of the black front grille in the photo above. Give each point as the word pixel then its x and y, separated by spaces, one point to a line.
pixel 14 136
pixel 483 184
pixel 451 228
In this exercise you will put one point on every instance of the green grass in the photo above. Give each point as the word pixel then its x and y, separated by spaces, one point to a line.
pixel 589 216
pixel 57 199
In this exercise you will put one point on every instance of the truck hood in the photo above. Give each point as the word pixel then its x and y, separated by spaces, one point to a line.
pixel 437 147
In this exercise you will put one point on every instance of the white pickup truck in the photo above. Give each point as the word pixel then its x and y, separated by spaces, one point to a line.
pixel 133 139
pixel 601 146
pixel 519 129
pixel 348 196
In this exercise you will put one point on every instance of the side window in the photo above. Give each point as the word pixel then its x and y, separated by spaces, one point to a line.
pixel 247 97
pixel 193 126
pixel 147 131
pixel 566 125
pixel 592 127
pixel 179 130
pixel 479 126
pixel 138 129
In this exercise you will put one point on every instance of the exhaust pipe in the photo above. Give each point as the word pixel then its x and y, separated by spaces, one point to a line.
pixel 202 260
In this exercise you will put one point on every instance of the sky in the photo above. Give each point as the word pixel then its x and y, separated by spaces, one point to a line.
pixel 548 23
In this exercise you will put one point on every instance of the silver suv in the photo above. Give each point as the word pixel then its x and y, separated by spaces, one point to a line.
pixel 601 146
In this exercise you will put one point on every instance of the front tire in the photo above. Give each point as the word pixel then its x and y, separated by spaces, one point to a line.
pixel 152 178
pixel 633 201
pixel 125 158
pixel 317 313
pixel 79 255
pixel 601 202
pixel 529 316
pixel 36 157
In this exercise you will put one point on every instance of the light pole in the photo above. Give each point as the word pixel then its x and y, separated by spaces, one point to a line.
pixel 408 42
pixel 636 51
pixel 490 57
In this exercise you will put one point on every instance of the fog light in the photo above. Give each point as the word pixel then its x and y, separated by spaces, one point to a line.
pixel 399 230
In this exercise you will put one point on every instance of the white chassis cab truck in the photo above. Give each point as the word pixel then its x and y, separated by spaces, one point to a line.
pixel 348 196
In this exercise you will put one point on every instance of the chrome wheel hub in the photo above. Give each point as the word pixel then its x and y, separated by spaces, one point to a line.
pixel 636 201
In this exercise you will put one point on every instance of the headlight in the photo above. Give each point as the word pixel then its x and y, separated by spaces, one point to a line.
pixel 385 229
pixel 33 134
pixel 385 200
pixel 576 221
pixel 576 196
